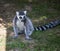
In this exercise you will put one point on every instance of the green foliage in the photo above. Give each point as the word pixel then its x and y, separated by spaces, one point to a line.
pixel 47 40
pixel 15 44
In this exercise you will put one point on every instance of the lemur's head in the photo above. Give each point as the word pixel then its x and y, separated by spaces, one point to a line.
pixel 21 15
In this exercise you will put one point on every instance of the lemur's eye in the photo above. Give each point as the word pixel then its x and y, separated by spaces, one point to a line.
pixel 20 17
pixel 24 16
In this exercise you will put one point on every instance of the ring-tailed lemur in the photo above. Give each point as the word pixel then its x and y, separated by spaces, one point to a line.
pixel 22 24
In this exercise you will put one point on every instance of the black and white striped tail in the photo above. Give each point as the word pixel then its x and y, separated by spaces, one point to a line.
pixel 47 26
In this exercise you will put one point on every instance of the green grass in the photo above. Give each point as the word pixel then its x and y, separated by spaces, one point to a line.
pixel 47 40
pixel 15 44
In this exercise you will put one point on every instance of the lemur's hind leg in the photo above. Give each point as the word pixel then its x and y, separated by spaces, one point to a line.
pixel 27 35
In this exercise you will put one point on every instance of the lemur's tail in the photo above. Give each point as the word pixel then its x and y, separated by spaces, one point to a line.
pixel 47 26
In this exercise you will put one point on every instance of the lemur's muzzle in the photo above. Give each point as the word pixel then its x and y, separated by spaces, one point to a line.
pixel 23 20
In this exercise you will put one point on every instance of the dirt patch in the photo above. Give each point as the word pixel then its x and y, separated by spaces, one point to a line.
pixel 2 38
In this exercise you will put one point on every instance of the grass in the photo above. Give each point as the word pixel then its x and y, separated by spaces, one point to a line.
pixel 48 40
pixel 15 44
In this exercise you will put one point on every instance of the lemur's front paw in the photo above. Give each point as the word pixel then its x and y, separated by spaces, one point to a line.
pixel 28 38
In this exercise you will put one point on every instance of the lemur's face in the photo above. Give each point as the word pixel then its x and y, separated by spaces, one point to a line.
pixel 21 15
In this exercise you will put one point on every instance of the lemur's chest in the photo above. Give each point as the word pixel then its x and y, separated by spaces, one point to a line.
pixel 20 25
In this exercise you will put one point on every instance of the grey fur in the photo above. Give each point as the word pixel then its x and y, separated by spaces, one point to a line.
pixel 19 26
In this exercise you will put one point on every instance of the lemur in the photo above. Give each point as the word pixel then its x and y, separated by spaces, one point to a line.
pixel 23 25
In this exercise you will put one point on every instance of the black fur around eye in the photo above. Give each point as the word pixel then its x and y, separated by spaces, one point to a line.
pixel 20 17
pixel 24 16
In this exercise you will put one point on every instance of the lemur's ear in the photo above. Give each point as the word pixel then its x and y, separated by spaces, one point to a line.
pixel 17 13
pixel 25 12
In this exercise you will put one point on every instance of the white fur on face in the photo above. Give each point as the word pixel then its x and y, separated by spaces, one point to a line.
pixel 17 14
pixel 25 12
